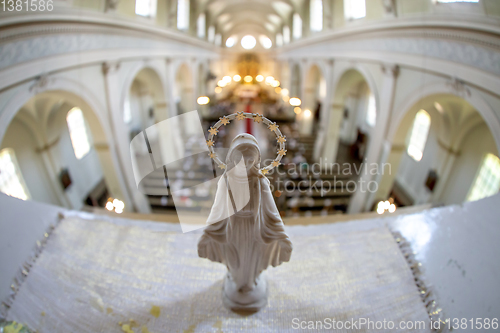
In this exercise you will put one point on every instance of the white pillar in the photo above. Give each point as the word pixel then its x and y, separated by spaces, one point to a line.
pixel 446 159
pixel 361 200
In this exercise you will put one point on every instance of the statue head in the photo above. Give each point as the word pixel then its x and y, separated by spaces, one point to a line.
pixel 244 153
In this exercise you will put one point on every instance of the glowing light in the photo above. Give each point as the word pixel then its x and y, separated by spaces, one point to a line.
pixel 248 42
pixel 439 107
pixel 285 98
pixel 277 90
pixel 236 78
pixel 269 80
pixel 227 79
pixel 380 210
pixel 275 83
pixel 285 92
pixel 297 110
pixel 307 113
pixel 295 101
pixel 109 206
pixel 203 100
pixel 392 208
pixel 221 83
pixel 248 78
pixel 118 211
pixel 259 78
pixel 218 90
pixel 230 42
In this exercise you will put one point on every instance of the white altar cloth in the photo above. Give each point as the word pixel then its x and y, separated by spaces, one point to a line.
pixel 94 274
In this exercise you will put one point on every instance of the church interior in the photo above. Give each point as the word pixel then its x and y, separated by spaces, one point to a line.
pixel 377 127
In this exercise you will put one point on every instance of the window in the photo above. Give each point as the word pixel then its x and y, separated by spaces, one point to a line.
pixel 78 132
pixel 297 26
pixel 316 12
pixel 145 8
pixel 11 179
pixel 183 14
pixel 371 113
pixel 354 9
pixel 286 34
pixel 487 180
pixel 201 26
pixel 418 135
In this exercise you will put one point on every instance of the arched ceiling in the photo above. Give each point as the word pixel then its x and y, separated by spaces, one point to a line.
pixel 253 17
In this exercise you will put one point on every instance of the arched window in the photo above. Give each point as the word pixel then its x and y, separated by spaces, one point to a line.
pixel 297 26
pixel 201 26
pixel 487 181
pixel 145 8
pixel 11 179
pixel 371 113
pixel 316 12
pixel 183 14
pixel 78 132
pixel 418 135
pixel 354 9
pixel 286 34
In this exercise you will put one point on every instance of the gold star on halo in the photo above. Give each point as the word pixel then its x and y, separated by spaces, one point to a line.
pixel 282 152
pixel 210 143
pixel 273 127
pixel 224 120
pixel 275 164
pixel 212 155
pixel 264 171
pixel 240 116
pixel 222 166
pixel 281 139
pixel 257 118
pixel 213 131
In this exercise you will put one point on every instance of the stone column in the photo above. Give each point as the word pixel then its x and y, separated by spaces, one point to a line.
pixel 123 174
pixel 446 159
pixel 362 200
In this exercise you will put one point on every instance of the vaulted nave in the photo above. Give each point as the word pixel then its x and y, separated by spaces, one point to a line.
pixel 377 126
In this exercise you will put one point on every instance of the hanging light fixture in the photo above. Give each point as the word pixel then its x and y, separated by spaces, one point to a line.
pixel 295 101
pixel 203 100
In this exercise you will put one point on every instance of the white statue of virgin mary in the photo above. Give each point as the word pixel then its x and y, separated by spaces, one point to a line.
pixel 245 230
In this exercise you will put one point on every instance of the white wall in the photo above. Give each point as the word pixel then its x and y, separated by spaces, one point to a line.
pixel 19 138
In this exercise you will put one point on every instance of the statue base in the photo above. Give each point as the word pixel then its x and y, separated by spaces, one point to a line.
pixel 250 299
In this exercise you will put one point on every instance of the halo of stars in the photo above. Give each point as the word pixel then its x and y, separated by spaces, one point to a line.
pixel 258 118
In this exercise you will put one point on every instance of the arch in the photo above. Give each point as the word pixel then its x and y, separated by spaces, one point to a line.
pixel 352 88
pixel 77 94
pixel 149 73
pixel 479 104
pixel 451 135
